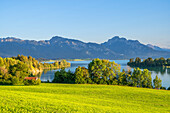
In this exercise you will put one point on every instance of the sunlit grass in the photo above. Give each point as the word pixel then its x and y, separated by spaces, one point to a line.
pixel 82 98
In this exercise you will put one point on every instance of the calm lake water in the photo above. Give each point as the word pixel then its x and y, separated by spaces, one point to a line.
pixel 162 73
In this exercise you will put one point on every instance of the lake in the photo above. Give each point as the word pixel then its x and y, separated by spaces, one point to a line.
pixel 162 73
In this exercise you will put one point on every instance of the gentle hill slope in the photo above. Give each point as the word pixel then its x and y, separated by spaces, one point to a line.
pixel 82 98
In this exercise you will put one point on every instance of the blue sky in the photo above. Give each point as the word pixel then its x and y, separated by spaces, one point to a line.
pixel 88 20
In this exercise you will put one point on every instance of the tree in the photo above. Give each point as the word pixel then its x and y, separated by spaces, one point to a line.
pixel 64 77
pixel 163 88
pixel 131 60
pixel 168 61
pixel 122 78
pixel 168 88
pixel 156 60
pixel 149 62
pixel 137 61
pixel 1 61
pixel 82 75
pixel 147 81
pixel 15 81
pixel 103 70
pixel 162 61
pixel 157 82
pixel 141 78
pixel 136 77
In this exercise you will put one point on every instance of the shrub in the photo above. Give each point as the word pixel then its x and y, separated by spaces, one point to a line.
pixel 32 82
pixel 64 77
pixel 157 82
pixel 164 88
pixel 168 88
pixel 15 81
pixel 38 82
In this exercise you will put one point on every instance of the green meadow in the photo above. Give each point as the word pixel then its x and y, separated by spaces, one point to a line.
pixel 60 98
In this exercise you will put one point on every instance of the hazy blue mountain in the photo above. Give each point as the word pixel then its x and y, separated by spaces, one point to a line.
pixel 59 47
pixel 132 48
pixel 158 48
pixel 56 47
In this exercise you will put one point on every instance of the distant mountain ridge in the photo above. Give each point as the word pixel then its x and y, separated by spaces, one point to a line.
pixel 59 47
pixel 158 48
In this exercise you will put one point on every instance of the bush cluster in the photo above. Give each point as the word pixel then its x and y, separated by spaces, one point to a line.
pixel 32 82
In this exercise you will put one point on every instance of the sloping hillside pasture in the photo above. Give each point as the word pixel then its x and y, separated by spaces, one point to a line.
pixel 58 98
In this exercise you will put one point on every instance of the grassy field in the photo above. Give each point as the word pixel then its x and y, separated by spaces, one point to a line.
pixel 58 98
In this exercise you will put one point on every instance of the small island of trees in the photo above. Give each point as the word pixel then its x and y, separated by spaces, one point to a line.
pixel 149 62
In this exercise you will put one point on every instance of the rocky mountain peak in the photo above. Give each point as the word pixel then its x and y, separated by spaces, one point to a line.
pixel 10 39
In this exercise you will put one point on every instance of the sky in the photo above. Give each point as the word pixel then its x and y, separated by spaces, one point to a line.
pixel 88 20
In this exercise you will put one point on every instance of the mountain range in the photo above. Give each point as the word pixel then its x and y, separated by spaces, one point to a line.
pixel 59 47
pixel 158 48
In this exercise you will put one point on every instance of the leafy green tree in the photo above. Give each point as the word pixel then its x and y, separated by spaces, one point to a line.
pixel 1 61
pixel 136 77
pixel 64 77
pixel 82 75
pixel 147 79
pixel 168 61
pixel 149 62
pixel 103 70
pixel 162 61
pixel 141 78
pixel 163 88
pixel 157 82
pixel 131 60
pixel 137 61
pixel 16 81
pixel 156 60
pixel 122 78
pixel 168 88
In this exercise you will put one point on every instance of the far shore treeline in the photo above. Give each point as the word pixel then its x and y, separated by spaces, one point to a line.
pixel 14 70
pixel 106 72
pixel 149 62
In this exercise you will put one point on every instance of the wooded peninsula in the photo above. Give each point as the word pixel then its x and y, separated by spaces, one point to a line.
pixel 14 70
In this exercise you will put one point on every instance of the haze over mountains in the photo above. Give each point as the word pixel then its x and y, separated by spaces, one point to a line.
pixel 59 47
pixel 158 48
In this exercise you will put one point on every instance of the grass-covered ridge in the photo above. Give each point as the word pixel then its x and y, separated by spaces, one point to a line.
pixel 82 98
